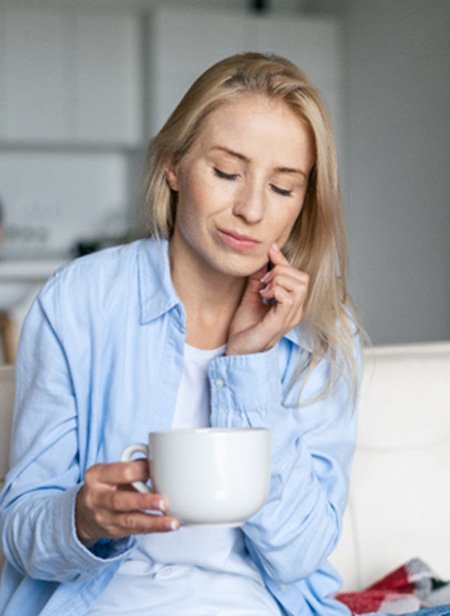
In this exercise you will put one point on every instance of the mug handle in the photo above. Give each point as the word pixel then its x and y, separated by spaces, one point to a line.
pixel 127 455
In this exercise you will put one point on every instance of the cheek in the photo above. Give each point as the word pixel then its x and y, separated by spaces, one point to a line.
pixel 284 224
pixel 201 205
pixel 187 217
pixel 193 210
pixel 189 203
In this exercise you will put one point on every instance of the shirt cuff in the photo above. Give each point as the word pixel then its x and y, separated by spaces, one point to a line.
pixel 244 388
pixel 104 551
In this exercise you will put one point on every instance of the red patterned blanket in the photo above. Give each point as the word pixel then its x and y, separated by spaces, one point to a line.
pixel 410 587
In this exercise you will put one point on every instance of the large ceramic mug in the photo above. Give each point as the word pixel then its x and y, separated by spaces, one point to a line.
pixel 209 476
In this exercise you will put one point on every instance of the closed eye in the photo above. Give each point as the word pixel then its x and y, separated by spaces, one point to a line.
pixel 225 176
pixel 281 191
pixel 234 176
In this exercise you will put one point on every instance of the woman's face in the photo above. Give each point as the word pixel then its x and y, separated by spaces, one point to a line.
pixel 241 185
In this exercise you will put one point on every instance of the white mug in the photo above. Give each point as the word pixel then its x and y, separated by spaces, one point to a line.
pixel 209 476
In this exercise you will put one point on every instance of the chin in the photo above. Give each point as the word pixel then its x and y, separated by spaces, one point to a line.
pixel 240 267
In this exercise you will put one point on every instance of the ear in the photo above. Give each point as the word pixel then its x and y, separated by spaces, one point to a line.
pixel 172 176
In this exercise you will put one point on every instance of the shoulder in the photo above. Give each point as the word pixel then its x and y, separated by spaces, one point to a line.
pixel 315 368
pixel 108 268
pixel 107 262
pixel 94 283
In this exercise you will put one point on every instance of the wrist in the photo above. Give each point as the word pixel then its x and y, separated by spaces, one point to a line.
pixel 250 349
pixel 81 526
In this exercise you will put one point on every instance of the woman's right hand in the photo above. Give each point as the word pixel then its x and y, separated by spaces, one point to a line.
pixel 108 506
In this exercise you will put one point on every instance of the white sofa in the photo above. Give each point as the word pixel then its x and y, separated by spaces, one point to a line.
pixel 399 505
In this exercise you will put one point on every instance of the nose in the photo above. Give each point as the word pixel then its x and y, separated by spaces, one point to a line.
pixel 249 202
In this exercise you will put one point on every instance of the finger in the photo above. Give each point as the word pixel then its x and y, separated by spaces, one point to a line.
pixel 287 310
pixel 276 256
pixel 295 297
pixel 122 501
pixel 291 283
pixel 125 524
pixel 254 284
pixel 283 298
pixel 259 273
pixel 270 275
pixel 287 270
pixel 117 472
pixel 278 318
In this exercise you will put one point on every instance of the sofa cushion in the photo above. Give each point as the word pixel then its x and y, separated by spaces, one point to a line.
pixel 399 501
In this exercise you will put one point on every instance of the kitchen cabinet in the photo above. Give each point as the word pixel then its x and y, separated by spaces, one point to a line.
pixel 33 75
pixel 70 76
pixel 185 43
pixel 107 96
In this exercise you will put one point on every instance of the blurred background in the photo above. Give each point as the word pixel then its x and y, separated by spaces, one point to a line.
pixel 84 84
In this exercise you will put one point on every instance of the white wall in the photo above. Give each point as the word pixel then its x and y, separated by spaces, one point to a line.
pixel 397 166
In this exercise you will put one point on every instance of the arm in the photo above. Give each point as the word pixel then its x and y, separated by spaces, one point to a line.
pixel 47 504
pixel 38 500
pixel 312 447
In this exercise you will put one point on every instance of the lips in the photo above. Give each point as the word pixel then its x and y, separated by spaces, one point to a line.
pixel 237 240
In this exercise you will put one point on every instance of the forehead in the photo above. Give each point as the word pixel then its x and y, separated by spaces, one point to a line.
pixel 249 122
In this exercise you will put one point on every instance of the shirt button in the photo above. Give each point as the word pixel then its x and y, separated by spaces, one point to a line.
pixel 219 382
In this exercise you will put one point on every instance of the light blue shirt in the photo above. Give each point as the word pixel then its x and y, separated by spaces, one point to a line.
pixel 99 364
pixel 197 570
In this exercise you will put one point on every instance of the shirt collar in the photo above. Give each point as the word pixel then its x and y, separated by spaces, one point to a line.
pixel 157 294
pixel 301 336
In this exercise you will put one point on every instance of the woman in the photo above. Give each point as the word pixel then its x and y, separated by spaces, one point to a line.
pixel 237 301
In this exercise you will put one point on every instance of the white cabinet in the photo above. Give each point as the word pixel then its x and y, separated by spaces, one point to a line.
pixel 107 78
pixel 185 43
pixel 70 76
pixel 34 75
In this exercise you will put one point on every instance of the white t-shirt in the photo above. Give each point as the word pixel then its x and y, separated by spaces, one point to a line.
pixel 192 571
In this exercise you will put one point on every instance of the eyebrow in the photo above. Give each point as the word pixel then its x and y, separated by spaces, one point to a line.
pixel 244 158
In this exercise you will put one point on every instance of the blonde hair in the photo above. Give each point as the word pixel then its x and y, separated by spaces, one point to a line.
pixel 316 244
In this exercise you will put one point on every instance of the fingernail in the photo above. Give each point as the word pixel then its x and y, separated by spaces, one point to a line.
pixel 265 289
pixel 162 505
pixel 275 247
pixel 172 524
pixel 264 278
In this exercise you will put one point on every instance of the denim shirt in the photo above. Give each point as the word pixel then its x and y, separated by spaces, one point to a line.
pixel 99 364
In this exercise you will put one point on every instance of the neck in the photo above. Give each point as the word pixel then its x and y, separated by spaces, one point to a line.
pixel 210 298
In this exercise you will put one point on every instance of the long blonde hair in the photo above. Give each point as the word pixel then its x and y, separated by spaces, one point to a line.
pixel 317 243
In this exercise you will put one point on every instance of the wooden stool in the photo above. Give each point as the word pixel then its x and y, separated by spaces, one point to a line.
pixel 8 338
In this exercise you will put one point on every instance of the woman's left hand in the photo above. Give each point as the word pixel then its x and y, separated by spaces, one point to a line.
pixel 257 326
